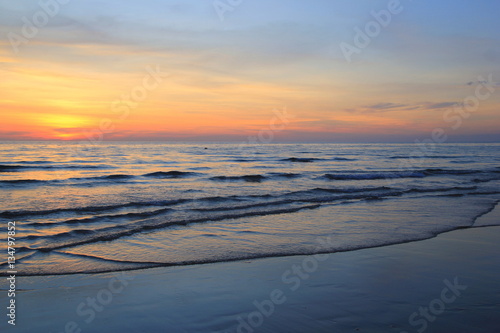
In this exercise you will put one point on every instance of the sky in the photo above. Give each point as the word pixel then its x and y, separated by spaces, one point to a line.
pixel 231 70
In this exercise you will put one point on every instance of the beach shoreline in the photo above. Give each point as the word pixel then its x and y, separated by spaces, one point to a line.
pixel 371 290
pixel 233 166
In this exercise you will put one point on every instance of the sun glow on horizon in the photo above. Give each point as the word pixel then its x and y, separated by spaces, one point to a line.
pixel 64 121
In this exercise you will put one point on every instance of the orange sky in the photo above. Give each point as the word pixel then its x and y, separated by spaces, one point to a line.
pixel 223 82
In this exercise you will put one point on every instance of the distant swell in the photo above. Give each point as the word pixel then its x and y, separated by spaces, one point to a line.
pixel 247 178
pixel 118 177
pixel 90 209
pixel 257 178
pixel 22 182
pixel 102 217
pixel 311 159
pixel 314 194
pixel 450 172
pixel 18 168
pixel 362 175
pixel 300 160
pixel 109 177
pixel 99 179
pixel 284 175
pixel 423 156
pixel 169 174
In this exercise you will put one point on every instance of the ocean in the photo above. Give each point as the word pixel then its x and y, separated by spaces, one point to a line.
pixel 83 208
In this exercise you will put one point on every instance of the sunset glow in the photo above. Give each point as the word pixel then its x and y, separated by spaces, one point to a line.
pixel 223 79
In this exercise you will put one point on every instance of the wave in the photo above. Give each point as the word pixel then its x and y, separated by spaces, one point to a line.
pixel 63 263
pixel 38 182
pixel 89 209
pixel 108 177
pixel 442 189
pixel 163 197
pixel 300 159
pixel 19 168
pixel 101 218
pixel 400 157
pixel 363 175
pixel 247 178
pixel 169 174
pixel 33 162
pixel 269 205
pixel 114 177
pixel 312 159
pixel 343 159
pixel 463 162
pixel 451 172
pixel 98 264
pixel 225 208
pixel 244 160
pixel 485 180
pixel 247 206
pixel 299 195
pixel 118 177
pixel 257 178
pixel 22 182
pixel 11 168
pixel 347 190
pixel 284 175
pixel 86 236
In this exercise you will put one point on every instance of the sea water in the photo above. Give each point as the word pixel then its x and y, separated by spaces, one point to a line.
pixel 82 208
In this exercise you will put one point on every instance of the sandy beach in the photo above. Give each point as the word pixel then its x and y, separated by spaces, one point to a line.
pixel 232 166
pixel 446 284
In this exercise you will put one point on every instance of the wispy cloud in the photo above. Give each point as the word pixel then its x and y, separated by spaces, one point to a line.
pixel 441 105
pixel 386 106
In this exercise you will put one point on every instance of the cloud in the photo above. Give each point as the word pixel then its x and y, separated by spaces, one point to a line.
pixel 473 83
pixel 442 105
pixel 389 106
pixel 7 133
pixel 385 106
pixel 18 135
